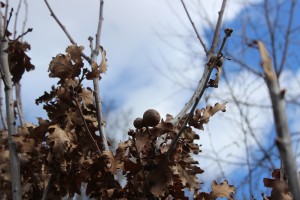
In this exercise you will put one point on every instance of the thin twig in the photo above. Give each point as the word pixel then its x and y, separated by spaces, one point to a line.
pixel 93 58
pixel 20 36
pixel 25 18
pixel 16 19
pixel 207 70
pixel 95 53
pixel 195 29
pixel 11 123
pixel 19 103
pixel 287 37
pixel 271 34
pixel 88 59
pixel 86 127
pixel 218 27
pixel 198 95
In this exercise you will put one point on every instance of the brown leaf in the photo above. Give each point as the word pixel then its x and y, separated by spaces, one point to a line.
pixel 18 60
pixel 60 141
pixel 202 116
pixel 62 67
pixel 222 190
pixel 95 73
pixel 87 96
pixel 188 179
pixel 103 64
pixel 279 187
pixel 75 53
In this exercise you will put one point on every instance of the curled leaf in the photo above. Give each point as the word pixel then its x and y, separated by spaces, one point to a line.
pixel 103 64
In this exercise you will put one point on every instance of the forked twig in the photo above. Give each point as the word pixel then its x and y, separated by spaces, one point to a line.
pixel 95 53
pixel 93 58
pixel 66 31
pixel 203 81
pixel 195 29
pixel 190 115
pixel 207 70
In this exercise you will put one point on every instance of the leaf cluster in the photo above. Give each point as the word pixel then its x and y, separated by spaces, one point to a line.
pixel 61 153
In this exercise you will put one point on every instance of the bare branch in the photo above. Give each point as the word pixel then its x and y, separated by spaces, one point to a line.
pixel 26 15
pixel 218 27
pixel 197 95
pixel 195 29
pixel 283 140
pixel 3 119
pixel 271 34
pixel 11 124
pixel 93 58
pixel 95 52
pixel 19 104
pixel 287 37
pixel 66 31
pixel 16 19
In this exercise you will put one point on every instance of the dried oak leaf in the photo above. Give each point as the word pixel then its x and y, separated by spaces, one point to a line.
pixel 75 53
pixel 95 73
pixel 103 64
pixel 215 82
pixel 159 178
pixel 73 118
pixel 4 164
pixel 222 190
pixel 18 60
pixel 115 162
pixel 62 67
pixel 279 187
pixel 202 116
pixel 25 147
pixel 121 152
pixel 186 176
pixel 60 141
pixel 87 97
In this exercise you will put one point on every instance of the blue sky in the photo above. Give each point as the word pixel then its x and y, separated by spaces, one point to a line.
pixel 150 71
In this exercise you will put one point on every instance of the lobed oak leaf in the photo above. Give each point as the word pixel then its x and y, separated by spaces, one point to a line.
pixel 75 53
pixel 18 60
pixel 62 67
pixel 95 73
pixel 142 139
pixel 279 187
pixel 187 178
pixel 211 110
pixel 222 190
pixel 87 97
pixel 25 147
pixel 60 141
pixel 73 118
pixel 159 178
pixel 110 161
pixel 202 116
pixel 121 152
